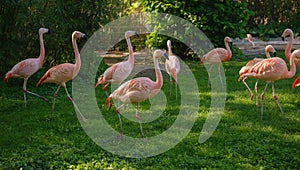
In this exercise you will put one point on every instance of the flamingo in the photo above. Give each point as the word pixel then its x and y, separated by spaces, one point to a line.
pixel 172 66
pixel 270 70
pixel 26 68
pixel 268 49
pixel 120 71
pixel 288 32
pixel 138 89
pixel 249 39
pixel 216 55
pixel 62 73
pixel 296 82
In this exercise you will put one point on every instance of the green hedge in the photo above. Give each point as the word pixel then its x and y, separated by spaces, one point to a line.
pixel 20 21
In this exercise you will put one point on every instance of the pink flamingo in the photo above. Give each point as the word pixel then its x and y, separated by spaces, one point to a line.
pixel 249 39
pixel 172 66
pixel 216 55
pixel 289 33
pixel 268 49
pixel 120 71
pixel 26 68
pixel 270 70
pixel 62 73
pixel 138 89
pixel 296 82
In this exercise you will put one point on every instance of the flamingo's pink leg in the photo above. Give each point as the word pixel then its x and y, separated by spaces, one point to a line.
pixel 24 90
pixel 137 115
pixel 209 71
pixel 74 104
pixel 54 99
pixel 277 101
pixel 250 91
pixel 262 101
pixel 256 92
pixel 170 85
pixel 120 120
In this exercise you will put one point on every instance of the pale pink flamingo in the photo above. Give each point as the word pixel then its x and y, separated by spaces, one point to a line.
pixel 270 70
pixel 26 68
pixel 118 72
pixel 62 73
pixel 172 66
pixel 296 82
pixel 249 39
pixel 217 55
pixel 288 49
pixel 138 89
pixel 268 49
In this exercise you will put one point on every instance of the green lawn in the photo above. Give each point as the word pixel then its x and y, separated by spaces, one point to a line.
pixel 30 140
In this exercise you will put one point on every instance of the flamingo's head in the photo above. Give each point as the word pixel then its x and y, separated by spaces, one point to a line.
pixel 43 30
pixel 78 34
pixel 227 40
pixel 160 53
pixel 287 32
pixel 249 36
pixel 128 34
pixel 270 48
pixel 169 43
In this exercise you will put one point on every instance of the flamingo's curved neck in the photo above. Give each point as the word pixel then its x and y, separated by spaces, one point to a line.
pixel 228 50
pixel 42 49
pixel 170 50
pixel 267 53
pixel 292 71
pixel 288 48
pixel 130 49
pixel 77 57
pixel 159 78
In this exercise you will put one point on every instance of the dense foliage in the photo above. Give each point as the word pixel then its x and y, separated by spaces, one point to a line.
pixel 21 19
pixel 216 19
pixel 271 17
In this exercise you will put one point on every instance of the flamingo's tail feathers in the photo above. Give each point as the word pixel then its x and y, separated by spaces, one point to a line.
pixel 107 103
pixel 296 82
pixel 7 76
pixel 100 81
pixel 41 81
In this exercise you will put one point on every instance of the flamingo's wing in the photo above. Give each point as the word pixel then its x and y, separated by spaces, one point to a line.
pixel 262 66
pixel 25 68
pixel 296 82
pixel 216 55
pixel 58 74
pixel 135 90
pixel 117 72
pixel 108 73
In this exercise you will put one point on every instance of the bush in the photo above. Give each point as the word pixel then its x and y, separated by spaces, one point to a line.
pixel 20 21
pixel 215 18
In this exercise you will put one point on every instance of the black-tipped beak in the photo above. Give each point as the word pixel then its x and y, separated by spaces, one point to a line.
pixel 85 37
pixel 231 43
pixel 275 54
pixel 166 56
pixel 137 34
pixel 282 38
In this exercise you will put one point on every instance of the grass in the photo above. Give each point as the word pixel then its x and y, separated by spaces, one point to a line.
pixel 30 140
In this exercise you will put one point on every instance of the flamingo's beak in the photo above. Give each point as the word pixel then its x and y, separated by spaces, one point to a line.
pixel 282 38
pixel 166 56
pixel 275 54
pixel 137 34
pixel 85 37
